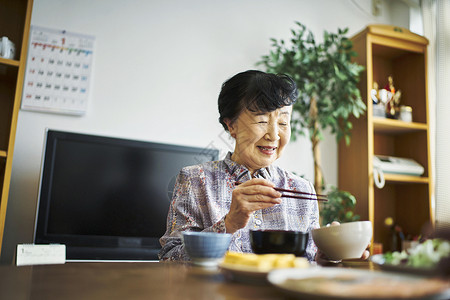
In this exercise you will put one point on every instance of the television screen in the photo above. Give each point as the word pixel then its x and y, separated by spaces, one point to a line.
pixel 107 198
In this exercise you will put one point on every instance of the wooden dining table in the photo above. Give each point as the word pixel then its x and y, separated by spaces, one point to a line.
pixel 131 280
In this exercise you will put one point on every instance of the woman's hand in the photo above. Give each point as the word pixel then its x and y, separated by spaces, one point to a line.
pixel 247 197
pixel 322 259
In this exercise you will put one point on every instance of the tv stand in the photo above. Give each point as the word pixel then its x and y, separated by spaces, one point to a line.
pixel 110 254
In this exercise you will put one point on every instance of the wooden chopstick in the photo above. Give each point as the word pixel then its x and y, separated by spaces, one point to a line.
pixel 298 192
pixel 307 196
pixel 300 195
pixel 303 197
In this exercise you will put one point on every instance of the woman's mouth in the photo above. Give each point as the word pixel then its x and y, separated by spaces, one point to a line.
pixel 267 150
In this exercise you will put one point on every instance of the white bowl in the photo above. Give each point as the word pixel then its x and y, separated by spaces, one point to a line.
pixel 345 241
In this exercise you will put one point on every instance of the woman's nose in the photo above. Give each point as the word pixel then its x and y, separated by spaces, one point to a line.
pixel 273 133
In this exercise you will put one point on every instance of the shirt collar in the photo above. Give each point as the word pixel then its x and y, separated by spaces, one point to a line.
pixel 241 171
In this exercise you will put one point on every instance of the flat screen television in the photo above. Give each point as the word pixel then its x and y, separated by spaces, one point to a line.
pixel 107 198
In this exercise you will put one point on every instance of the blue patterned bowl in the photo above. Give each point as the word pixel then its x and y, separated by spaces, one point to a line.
pixel 206 248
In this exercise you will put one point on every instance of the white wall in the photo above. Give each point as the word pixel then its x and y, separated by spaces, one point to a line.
pixel 158 68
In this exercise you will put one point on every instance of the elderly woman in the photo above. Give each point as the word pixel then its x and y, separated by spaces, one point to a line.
pixel 255 108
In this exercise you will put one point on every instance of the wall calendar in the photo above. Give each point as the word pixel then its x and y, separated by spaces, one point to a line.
pixel 58 71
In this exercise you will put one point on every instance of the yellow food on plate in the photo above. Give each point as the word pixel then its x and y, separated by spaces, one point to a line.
pixel 265 261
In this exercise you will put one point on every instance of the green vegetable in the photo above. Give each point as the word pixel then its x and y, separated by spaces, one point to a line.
pixel 425 255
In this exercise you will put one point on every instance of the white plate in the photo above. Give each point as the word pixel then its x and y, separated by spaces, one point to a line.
pixel 341 283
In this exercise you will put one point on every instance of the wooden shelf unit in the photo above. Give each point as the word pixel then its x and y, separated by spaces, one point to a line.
pixel 390 51
pixel 15 19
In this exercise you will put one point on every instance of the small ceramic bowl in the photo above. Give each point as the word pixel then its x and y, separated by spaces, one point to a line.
pixel 278 241
pixel 206 248
pixel 345 241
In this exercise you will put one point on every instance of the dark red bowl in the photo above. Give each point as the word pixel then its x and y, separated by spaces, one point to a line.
pixel 279 241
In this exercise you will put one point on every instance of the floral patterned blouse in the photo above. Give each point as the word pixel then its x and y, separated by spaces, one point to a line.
pixel 202 198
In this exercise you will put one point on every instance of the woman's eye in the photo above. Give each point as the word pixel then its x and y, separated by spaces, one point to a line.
pixel 283 124
pixel 262 122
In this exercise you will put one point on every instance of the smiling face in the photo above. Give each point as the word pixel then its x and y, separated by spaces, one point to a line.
pixel 260 136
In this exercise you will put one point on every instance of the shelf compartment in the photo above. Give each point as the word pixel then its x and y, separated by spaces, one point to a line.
pixel 8 78
pixel 407 145
pixel 398 201
pixel 408 71
pixel 12 21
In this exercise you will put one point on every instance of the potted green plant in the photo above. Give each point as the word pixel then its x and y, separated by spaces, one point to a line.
pixel 327 82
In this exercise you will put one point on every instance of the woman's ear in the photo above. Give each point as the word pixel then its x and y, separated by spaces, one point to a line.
pixel 231 127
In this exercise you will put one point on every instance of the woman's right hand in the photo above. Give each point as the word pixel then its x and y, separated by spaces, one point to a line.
pixel 247 197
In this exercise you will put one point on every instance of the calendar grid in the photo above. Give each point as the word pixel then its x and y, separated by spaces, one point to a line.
pixel 58 71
